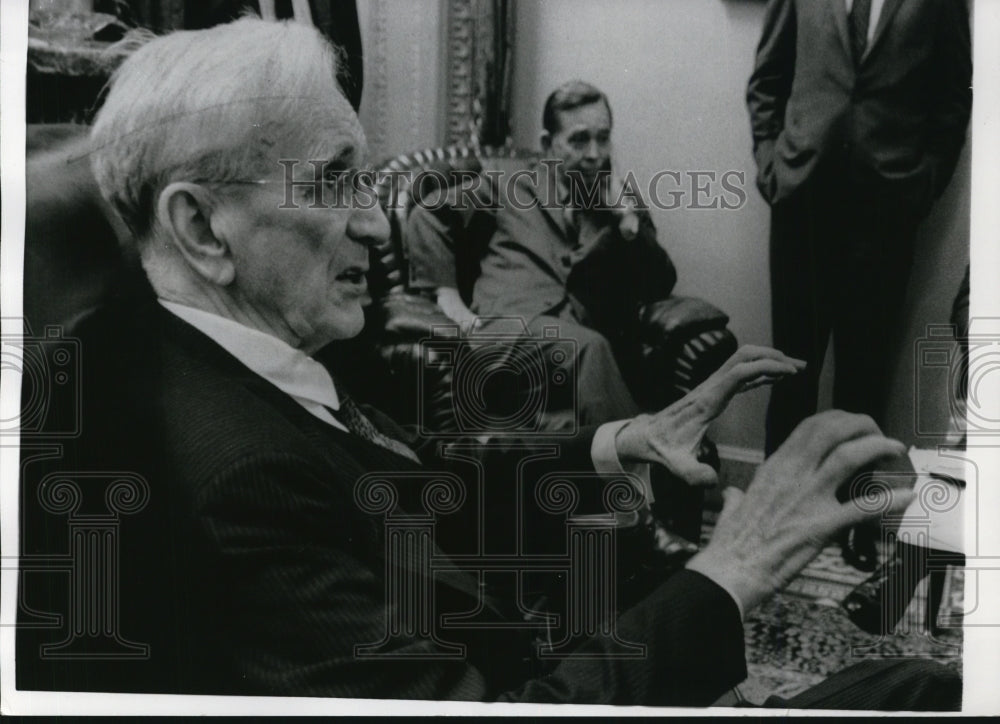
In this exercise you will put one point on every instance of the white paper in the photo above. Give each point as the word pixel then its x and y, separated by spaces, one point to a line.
pixel 935 517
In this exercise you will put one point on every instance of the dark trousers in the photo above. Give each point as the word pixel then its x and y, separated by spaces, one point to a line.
pixel 882 685
pixel 579 383
pixel 593 390
pixel 602 394
pixel 841 253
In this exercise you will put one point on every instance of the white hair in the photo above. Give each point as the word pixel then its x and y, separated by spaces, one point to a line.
pixel 203 105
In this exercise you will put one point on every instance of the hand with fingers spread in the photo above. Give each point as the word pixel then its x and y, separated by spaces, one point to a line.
pixel 766 535
pixel 672 436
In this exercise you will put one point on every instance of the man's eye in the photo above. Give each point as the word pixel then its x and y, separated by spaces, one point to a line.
pixel 334 176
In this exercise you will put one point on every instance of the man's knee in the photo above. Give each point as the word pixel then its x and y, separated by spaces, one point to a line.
pixel 587 342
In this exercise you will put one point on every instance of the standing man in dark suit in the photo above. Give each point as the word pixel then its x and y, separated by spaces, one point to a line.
pixel 858 110
pixel 245 483
pixel 561 251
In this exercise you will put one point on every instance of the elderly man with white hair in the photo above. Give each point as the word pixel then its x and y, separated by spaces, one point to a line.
pixel 248 562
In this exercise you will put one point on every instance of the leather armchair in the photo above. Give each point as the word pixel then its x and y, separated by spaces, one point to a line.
pixel 684 339
pixel 73 261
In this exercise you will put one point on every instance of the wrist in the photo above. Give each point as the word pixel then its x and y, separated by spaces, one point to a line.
pixel 729 573
pixel 632 440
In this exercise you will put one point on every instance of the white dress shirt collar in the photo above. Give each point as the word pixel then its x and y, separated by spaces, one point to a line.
pixel 290 370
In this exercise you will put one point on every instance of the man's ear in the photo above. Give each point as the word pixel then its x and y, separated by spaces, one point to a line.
pixel 545 139
pixel 185 210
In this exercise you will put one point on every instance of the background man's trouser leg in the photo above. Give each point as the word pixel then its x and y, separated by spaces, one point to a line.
pixel 873 261
pixel 601 392
pixel 841 254
pixel 800 308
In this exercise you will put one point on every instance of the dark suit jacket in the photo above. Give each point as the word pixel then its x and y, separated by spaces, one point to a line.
pixel 899 118
pixel 251 569
pixel 527 264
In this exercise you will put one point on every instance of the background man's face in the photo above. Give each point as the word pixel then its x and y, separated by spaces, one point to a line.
pixel 583 141
pixel 305 266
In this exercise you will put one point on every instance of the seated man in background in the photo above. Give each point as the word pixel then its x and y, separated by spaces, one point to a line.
pixel 251 562
pixel 568 251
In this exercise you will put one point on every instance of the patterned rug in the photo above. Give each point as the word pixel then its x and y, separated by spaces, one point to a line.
pixel 801 636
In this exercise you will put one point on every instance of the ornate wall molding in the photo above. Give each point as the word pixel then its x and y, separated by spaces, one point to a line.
pixel 461 54
pixel 377 74
pixel 479 53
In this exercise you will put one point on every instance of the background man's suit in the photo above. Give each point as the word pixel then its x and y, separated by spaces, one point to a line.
pixel 851 154
pixel 528 259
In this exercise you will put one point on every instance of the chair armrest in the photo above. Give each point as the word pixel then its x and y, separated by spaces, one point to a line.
pixel 684 340
pixel 676 319
pixel 397 324
pixel 410 316
pixel 71 236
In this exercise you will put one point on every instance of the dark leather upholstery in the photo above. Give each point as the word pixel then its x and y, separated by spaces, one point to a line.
pixel 72 258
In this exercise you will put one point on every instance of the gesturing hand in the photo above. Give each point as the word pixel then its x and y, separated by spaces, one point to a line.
pixel 672 436
pixel 765 536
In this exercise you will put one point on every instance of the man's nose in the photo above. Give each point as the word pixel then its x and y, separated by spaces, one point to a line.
pixel 368 225
pixel 593 149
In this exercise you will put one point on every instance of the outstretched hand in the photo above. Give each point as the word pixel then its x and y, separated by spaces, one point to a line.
pixel 673 436
pixel 765 536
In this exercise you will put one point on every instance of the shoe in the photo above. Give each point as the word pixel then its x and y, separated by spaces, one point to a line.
pixel 877 604
pixel 936 562
pixel 671 546
pixel 857 546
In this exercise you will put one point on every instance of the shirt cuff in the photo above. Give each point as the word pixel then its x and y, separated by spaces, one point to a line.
pixel 693 565
pixel 604 454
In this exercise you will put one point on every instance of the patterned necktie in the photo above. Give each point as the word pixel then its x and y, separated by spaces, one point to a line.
pixel 858 21
pixel 355 421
